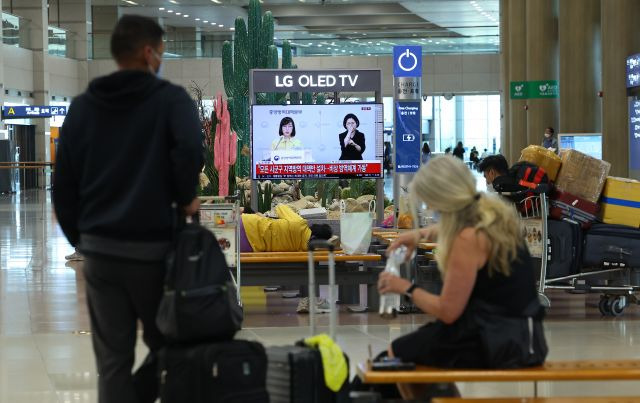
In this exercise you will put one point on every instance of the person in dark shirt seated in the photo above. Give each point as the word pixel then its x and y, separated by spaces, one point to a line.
pixel 488 314
pixel 495 170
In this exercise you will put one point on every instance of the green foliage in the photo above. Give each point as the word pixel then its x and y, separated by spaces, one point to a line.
pixel 286 55
pixel 321 99
pixel 307 98
pixel 265 197
pixel 345 193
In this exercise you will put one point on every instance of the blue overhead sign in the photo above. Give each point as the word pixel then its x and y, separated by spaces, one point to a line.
pixel 633 71
pixel 26 112
pixel 407 137
pixel 407 61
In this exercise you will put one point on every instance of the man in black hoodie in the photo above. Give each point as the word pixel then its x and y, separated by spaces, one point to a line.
pixel 129 149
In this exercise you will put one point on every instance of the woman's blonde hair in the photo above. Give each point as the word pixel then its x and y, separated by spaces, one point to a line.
pixel 447 186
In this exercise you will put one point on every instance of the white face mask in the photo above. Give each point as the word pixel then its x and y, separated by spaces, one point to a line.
pixel 490 188
pixel 547 135
pixel 158 72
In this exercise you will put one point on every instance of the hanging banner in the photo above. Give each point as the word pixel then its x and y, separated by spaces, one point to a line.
pixel 407 137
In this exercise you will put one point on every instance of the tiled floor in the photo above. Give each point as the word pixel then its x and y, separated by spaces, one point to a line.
pixel 46 355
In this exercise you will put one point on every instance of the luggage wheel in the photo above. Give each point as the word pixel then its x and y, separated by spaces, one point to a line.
pixel 611 305
pixel 544 300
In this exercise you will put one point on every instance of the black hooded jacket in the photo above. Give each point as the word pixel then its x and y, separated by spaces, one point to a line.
pixel 130 146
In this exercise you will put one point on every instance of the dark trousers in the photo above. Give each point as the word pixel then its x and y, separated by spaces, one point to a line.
pixel 119 292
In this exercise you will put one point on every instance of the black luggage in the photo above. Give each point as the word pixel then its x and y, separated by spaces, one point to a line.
pixel 227 372
pixel 565 248
pixel 610 246
pixel 295 373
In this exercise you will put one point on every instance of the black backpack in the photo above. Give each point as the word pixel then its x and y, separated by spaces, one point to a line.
pixel 200 299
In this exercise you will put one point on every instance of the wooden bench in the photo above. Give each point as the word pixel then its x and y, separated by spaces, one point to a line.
pixel 607 399
pixel 291 269
pixel 587 370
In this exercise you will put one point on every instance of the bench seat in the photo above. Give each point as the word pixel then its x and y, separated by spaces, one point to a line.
pixel 600 399
pixel 587 370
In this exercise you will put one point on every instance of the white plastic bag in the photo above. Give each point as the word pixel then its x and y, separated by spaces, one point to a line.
pixel 355 229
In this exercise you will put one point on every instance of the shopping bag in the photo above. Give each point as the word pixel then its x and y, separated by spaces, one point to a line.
pixel 355 229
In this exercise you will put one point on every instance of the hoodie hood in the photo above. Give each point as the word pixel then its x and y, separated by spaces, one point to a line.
pixel 123 89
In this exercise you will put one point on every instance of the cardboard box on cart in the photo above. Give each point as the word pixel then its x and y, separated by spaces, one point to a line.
pixel 582 175
pixel 620 202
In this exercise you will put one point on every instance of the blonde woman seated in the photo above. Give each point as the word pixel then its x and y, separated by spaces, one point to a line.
pixel 488 314
pixel 287 132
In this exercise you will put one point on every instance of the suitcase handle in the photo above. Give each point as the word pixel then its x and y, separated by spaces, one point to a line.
pixel 312 246
pixel 618 250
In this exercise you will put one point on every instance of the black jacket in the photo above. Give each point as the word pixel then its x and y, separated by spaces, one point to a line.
pixel 130 146
pixel 350 152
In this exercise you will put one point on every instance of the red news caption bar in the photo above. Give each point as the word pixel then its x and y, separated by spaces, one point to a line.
pixel 297 170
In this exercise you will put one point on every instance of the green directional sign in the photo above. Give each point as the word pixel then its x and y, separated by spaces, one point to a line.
pixel 543 89
pixel 534 89
pixel 519 90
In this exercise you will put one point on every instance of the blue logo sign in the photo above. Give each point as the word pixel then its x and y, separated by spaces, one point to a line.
pixel 634 134
pixel 633 71
pixel 26 112
pixel 407 61
pixel 407 136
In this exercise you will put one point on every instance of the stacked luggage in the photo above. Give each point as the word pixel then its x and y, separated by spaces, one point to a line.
pixel 200 314
pixel 593 235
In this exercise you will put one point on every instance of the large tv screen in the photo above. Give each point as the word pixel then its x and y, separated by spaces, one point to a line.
pixel 317 141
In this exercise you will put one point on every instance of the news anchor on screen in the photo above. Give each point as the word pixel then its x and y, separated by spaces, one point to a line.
pixel 286 139
pixel 352 140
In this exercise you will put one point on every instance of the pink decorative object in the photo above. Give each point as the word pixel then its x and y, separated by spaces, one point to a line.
pixel 225 145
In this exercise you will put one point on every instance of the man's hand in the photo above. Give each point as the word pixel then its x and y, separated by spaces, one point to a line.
pixel 192 208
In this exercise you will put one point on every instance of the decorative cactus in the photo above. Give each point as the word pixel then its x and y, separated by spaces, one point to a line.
pixel 251 49
pixel 225 145
pixel 265 197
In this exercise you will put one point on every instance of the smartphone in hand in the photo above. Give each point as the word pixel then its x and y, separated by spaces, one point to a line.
pixel 392 364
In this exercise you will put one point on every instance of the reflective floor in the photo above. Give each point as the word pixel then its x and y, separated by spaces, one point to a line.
pixel 46 354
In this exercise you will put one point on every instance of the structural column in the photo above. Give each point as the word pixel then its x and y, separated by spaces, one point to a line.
pixel 505 138
pixel 74 16
pixel 517 71
pixel 620 39
pixel 580 66
pixel 104 19
pixel 541 64
pixel 36 12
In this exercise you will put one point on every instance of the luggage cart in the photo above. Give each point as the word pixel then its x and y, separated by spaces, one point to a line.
pixel 534 211
pixel 221 215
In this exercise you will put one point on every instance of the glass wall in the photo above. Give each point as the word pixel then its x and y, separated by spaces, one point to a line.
pixel 472 119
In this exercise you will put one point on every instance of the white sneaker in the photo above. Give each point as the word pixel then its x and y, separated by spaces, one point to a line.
pixel 322 306
pixel 75 256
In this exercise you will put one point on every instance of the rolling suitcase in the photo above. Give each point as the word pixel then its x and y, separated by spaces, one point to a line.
pixel 610 245
pixel 295 373
pixel 226 372
pixel 565 248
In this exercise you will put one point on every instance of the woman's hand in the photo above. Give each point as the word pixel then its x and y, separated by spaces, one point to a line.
pixel 388 282
pixel 409 239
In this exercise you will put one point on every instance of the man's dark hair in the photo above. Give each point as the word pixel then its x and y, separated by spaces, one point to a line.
pixel 285 121
pixel 496 162
pixel 352 116
pixel 132 33
pixel 321 231
pixel 551 130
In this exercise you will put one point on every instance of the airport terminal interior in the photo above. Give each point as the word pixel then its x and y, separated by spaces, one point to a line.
pixel 492 77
